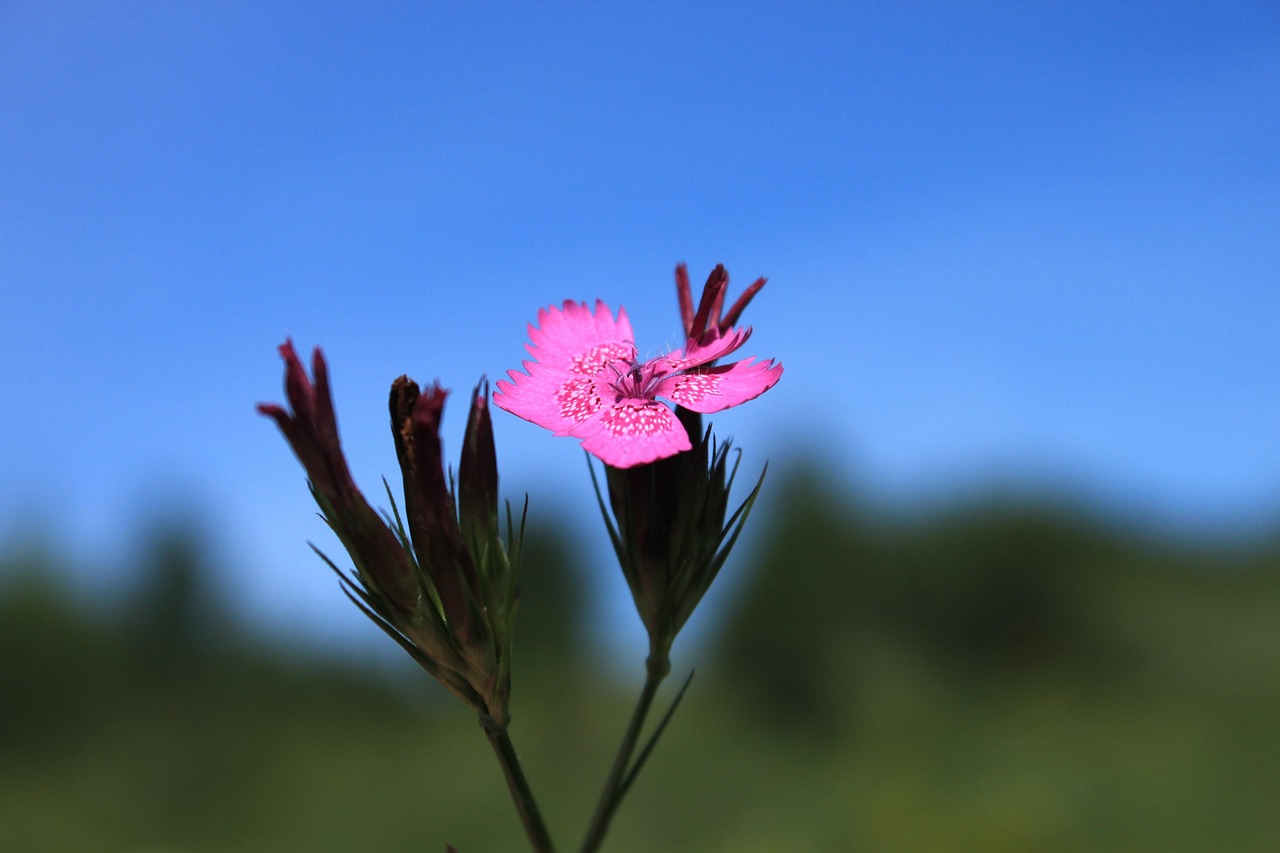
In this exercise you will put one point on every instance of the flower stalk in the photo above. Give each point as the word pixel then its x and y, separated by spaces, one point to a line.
pixel 622 771
pixel 521 794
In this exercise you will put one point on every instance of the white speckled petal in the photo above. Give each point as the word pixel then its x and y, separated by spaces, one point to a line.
pixel 713 389
pixel 635 431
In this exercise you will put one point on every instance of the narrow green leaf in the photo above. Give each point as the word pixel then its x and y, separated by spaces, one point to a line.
pixel 638 764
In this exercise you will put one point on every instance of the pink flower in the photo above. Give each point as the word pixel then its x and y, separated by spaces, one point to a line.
pixel 585 381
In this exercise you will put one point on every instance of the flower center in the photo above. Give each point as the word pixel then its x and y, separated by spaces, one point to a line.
pixel 639 382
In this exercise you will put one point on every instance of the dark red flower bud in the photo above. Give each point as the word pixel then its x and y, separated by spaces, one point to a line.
pixel 706 323
pixel 478 471
pixel 415 425
pixel 312 432
pixel 433 527
pixel 707 318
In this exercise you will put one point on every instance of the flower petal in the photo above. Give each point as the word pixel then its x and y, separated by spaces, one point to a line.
pixel 556 399
pixel 579 339
pixel 713 389
pixel 571 346
pixel 634 432
pixel 706 348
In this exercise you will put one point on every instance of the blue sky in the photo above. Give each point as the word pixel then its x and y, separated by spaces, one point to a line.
pixel 1022 241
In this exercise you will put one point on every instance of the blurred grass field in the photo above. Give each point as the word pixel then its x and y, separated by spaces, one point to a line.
pixel 1014 676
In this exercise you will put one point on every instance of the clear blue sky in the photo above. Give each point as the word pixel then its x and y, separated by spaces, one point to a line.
pixel 1026 240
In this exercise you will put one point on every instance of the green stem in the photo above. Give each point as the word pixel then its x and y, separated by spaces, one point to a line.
pixel 521 793
pixel 656 669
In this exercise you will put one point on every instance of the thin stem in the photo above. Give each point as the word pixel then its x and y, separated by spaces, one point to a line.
pixel 656 669
pixel 521 793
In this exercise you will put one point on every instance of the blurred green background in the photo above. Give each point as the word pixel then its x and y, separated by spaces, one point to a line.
pixel 1006 674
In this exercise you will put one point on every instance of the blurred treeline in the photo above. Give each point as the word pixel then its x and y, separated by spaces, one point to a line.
pixel 998 675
